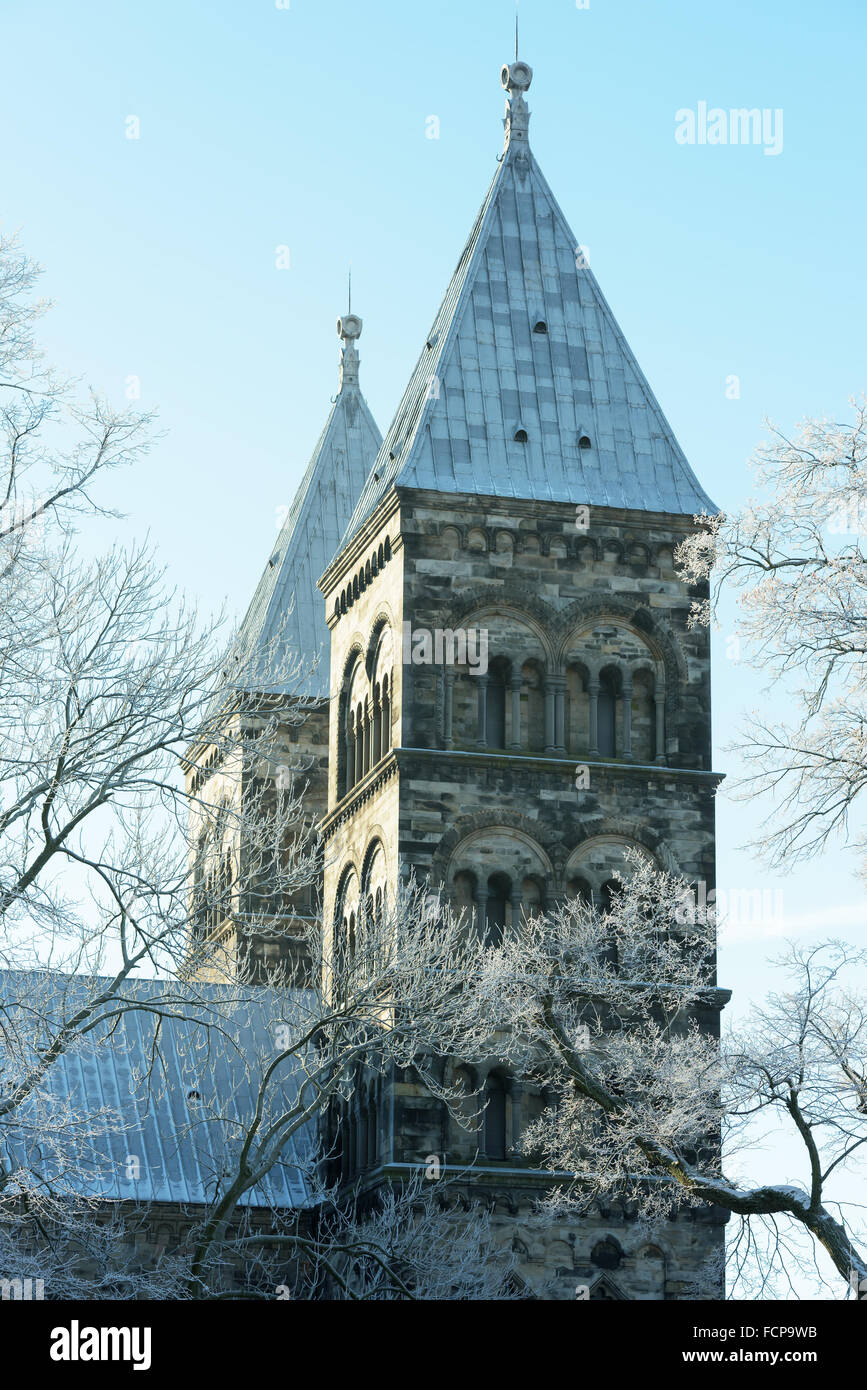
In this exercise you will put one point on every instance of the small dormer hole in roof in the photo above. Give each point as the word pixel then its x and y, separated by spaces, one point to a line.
pixel 540 327
pixel 521 436
pixel 585 442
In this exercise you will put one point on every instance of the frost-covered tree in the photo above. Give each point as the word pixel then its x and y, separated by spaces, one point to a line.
pixel 106 681
pixel 616 1010
pixel 795 559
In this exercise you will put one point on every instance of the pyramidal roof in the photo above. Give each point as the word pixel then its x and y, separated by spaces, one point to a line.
pixel 286 618
pixel 524 341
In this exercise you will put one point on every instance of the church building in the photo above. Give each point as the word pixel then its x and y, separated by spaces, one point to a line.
pixel 508 694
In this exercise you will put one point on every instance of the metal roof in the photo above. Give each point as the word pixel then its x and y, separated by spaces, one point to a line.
pixel 286 617
pixel 149 1106
pixel 484 374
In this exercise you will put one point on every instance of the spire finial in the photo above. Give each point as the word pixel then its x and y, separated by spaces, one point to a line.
pixel 349 331
pixel 349 305
pixel 516 30
pixel 516 78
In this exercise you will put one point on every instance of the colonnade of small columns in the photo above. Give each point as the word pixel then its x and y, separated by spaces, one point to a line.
pixel 367 734
pixel 554 686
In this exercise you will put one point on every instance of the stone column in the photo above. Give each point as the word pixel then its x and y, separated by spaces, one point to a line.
pixel 515 684
pixel 359 746
pixel 386 721
pixel 514 1091
pixel 517 902
pixel 627 718
pixel 448 707
pixel 482 739
pixel 350 758
pixel 365 756
pixel 593 696
pixel 549 713
pixel 482 913
pixel 376 738
pixel 560 715
pixel 660 729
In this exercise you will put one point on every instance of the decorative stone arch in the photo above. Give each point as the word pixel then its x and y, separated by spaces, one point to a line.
pixel 508 601
pixel 347 901
pixel 637 552
pixel 445 531
pixel 375 845
pixel 616 835
pixel 584 543
pixel 643 621
pixel 353 655
pixel 479 533
pixel 354 659
pixel 384 620
pixel 609 543
pixel 469 826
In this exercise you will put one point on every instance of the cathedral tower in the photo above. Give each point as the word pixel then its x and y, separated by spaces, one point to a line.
pixel 516 696
pixel 283 645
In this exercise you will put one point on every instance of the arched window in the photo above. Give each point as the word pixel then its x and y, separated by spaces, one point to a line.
pixel 520 436
pixel 376 740
pixel 495 1117
pixel 608 892
pixel 386 715
pixel 465 1108
pixel 580 888
pixel 607 715
pixel 359 743
pixel 540 327
pixel 372 1145
pixel 495 912
pixel 495 723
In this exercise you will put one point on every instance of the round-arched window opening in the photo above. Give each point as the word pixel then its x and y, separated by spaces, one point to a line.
pixel 541 327
pixel 520 436
pixel 585 442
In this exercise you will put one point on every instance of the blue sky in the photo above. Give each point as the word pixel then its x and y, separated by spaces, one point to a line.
pixel 305 127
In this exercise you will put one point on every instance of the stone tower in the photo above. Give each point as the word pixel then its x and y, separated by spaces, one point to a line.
pixel 526 500
pixel 284 645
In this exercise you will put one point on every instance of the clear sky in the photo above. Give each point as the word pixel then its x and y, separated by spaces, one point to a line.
pixel 306 126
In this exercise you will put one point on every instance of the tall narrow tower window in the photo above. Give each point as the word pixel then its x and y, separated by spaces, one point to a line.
pixel 495 1118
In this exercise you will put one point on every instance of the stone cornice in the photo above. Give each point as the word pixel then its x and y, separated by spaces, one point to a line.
pixel 362 792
